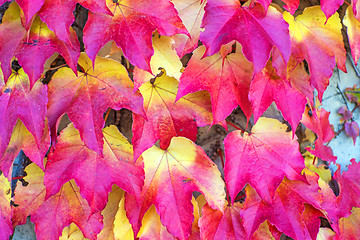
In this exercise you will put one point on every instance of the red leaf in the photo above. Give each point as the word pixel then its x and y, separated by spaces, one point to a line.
pixel 318 122
pixel 171 176
pixel 58 14
pixel 86 97
pixel 250 157
pixel 17 101
pixel 226 79
pixel 131 28
pixel 30 7
pixel 330 7
pixel 349 184
pixel 267 87
pixel 215 224
pixel 60 210
pixel 94 174
pixel 167 119
pixel 227 20
pixel 286 211
pixel 320 45
pixel 291 5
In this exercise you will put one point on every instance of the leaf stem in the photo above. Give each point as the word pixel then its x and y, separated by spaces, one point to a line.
pixel 234 126
pixel 223 166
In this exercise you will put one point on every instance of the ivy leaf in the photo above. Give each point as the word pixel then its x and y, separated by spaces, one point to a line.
pixel 131 27
pixel 94 174
pixel 286 211
pixel 167 119
pixel 30 8
pixel 226 79
pixel 87 96
pixel 19 101
pixel 349 184
pixel 320 45
pixel 349 226
pixel 5 210
pixel 256 30
pixel 215 224
pixel 58 14
pixel 191 13
pixel 12 32
pixel 171 176
pixel 353 33
pixel 267 87
pixel 72 232
pixel 328 7
pixel 352 130
pixel 250 156
pixel 318 122
pixel 63 208
pixel 28 198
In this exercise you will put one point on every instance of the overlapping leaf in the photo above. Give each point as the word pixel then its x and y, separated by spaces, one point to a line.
pixel 257 31
pixel 353 32
pixel 5 210
pixel 28 198
pixel 171 176
pixel 63 208
pixel 286 211
pixel 226 79
pixel 320 45
pixel 93 173
pixel 19 101
pixel 261 158
pixel 318 122
pixel 131 28
pixel 267 87
pixel 58 14
pixel 87 96
pixel 191 13
pixel 32 48
pixel 215 224
pixel 349 227
pixel 167 119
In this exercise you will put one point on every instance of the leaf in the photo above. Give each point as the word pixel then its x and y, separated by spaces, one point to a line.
pixel 320 45
pixel 72 232
pixel 267 87
pixel 63 208
pixel 131 28
pixel 18 101
pixel 330 7
pixel 34 47
pixel 167 119
pixel 250 156
pixel 349 227
pixel 109 213
pixel 286 211
pixel 28 198
pixel 21 139
pixel 352 130
pixel 122 227
pixel 356 9
pixel 87 96
pixel 353 31
pixel 353 94
pixel 152 227
pixel 164 57
pixel 58 14
pixel 226 79
pixel 318 122
pixel 30 8
pixel 258 32
pixel 5 210
pixel 291 5
pixel 266 231
pixel 349 184
pixel 12 33
pixel 215 224
pixel 171 176
pixel 94 174
pixel 191 13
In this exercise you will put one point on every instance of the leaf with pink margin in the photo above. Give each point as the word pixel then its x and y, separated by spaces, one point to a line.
pixel 226 20
pixel 249 158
